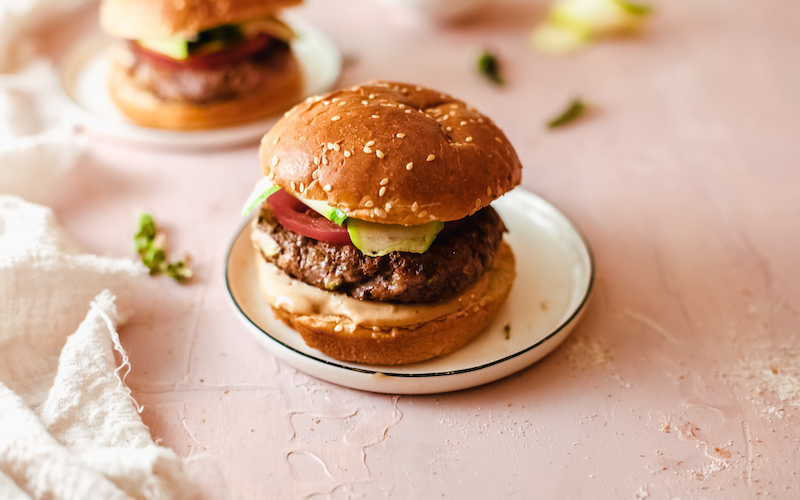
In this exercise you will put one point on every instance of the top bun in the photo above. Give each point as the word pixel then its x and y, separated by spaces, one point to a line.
pixel 392 153
pixel 137 19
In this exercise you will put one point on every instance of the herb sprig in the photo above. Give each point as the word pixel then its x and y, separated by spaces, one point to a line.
pixel 572 112
pixel 489 67
pixel 149 244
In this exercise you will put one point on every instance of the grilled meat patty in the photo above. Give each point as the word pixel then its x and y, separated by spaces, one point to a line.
pixel 455 260
pixel 218 83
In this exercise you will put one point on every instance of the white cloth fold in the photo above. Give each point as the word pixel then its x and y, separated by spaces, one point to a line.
pixel 68 426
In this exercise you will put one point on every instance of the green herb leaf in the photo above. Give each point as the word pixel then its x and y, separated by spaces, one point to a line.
pixel 151 250
pixel 507 330
pixel 488 66
pixel 572 112
pixel 179 271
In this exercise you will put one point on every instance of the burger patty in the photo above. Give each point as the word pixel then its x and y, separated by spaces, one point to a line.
pixel 455 260
pixel 218 83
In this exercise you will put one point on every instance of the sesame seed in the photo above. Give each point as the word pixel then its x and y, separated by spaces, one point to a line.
pixel 384 181
pixel 325 103
pixel 315 174
pixel 478 203
pixel 414 206
pixel 324 160
pixel 480 120
pixel 372 96
pixel 336 118
pixel 316 160
pixel 368 204
pixel 410 165
pixel 379 153
pixel 453 106
pixel 370 143
pixel 431 157
pixel 336 147
pixel 462 123
pixel 374 116
pixel 382 191
pixel 275 161
pixel 277 140
pixel 291 185
pixel 423 213
pixel 346 153
pixel 408 111
pixel 301 187
pixel 326 188
pixel 489 190
pixel 338 328
pixel 449 129
pixel 468 139
pixel 330 145
pixel 365 102
pixel 401 135
pixel 497 139
pixel 341 103
pixel 388 206
pixel 335 99
pixel 452 113
pixel 367 149
pixel 401 106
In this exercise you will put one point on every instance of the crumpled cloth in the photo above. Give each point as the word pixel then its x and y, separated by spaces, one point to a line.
pixel 69 428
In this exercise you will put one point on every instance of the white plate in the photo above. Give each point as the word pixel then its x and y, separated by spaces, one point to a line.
pixel 555 272
pixel 83 95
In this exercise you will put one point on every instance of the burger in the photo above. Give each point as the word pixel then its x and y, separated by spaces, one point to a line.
pixel 374 237
pixel 194 64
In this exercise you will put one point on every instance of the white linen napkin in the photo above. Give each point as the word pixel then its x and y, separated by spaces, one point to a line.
pixel 69 428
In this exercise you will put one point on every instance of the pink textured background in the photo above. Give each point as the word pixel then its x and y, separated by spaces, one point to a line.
pixel 683 380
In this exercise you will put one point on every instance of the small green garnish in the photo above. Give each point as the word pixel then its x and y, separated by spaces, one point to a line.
pixel 507 330
pixel 149 245
pixel 572 112
pixel 488 66
pixel 338 216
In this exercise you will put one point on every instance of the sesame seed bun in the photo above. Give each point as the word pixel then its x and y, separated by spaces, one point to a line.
pixel 392 153
pixel 147 109
pixel 340 338
pixel 137 19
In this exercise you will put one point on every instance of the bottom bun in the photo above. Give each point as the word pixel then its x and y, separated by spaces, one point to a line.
pixel 145 108
pixel 340 338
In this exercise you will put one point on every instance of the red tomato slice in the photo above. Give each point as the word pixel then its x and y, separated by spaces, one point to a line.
pixel 237 52
pixel 295 216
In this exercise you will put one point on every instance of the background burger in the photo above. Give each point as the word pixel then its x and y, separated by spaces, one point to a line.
pixel 376 241
pixel 193 64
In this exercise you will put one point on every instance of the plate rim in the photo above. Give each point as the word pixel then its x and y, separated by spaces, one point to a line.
pixel 82 50
pixel 579 309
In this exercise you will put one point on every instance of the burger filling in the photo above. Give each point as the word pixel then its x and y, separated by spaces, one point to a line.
pixel 215 65
pixel 459 255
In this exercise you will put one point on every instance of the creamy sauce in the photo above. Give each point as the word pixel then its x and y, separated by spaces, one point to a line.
pixel 296 297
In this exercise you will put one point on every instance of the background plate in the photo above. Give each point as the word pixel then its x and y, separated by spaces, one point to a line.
pixel 83 95
pixel 555 273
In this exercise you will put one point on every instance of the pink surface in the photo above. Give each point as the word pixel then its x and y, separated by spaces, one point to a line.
pixel 683 379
